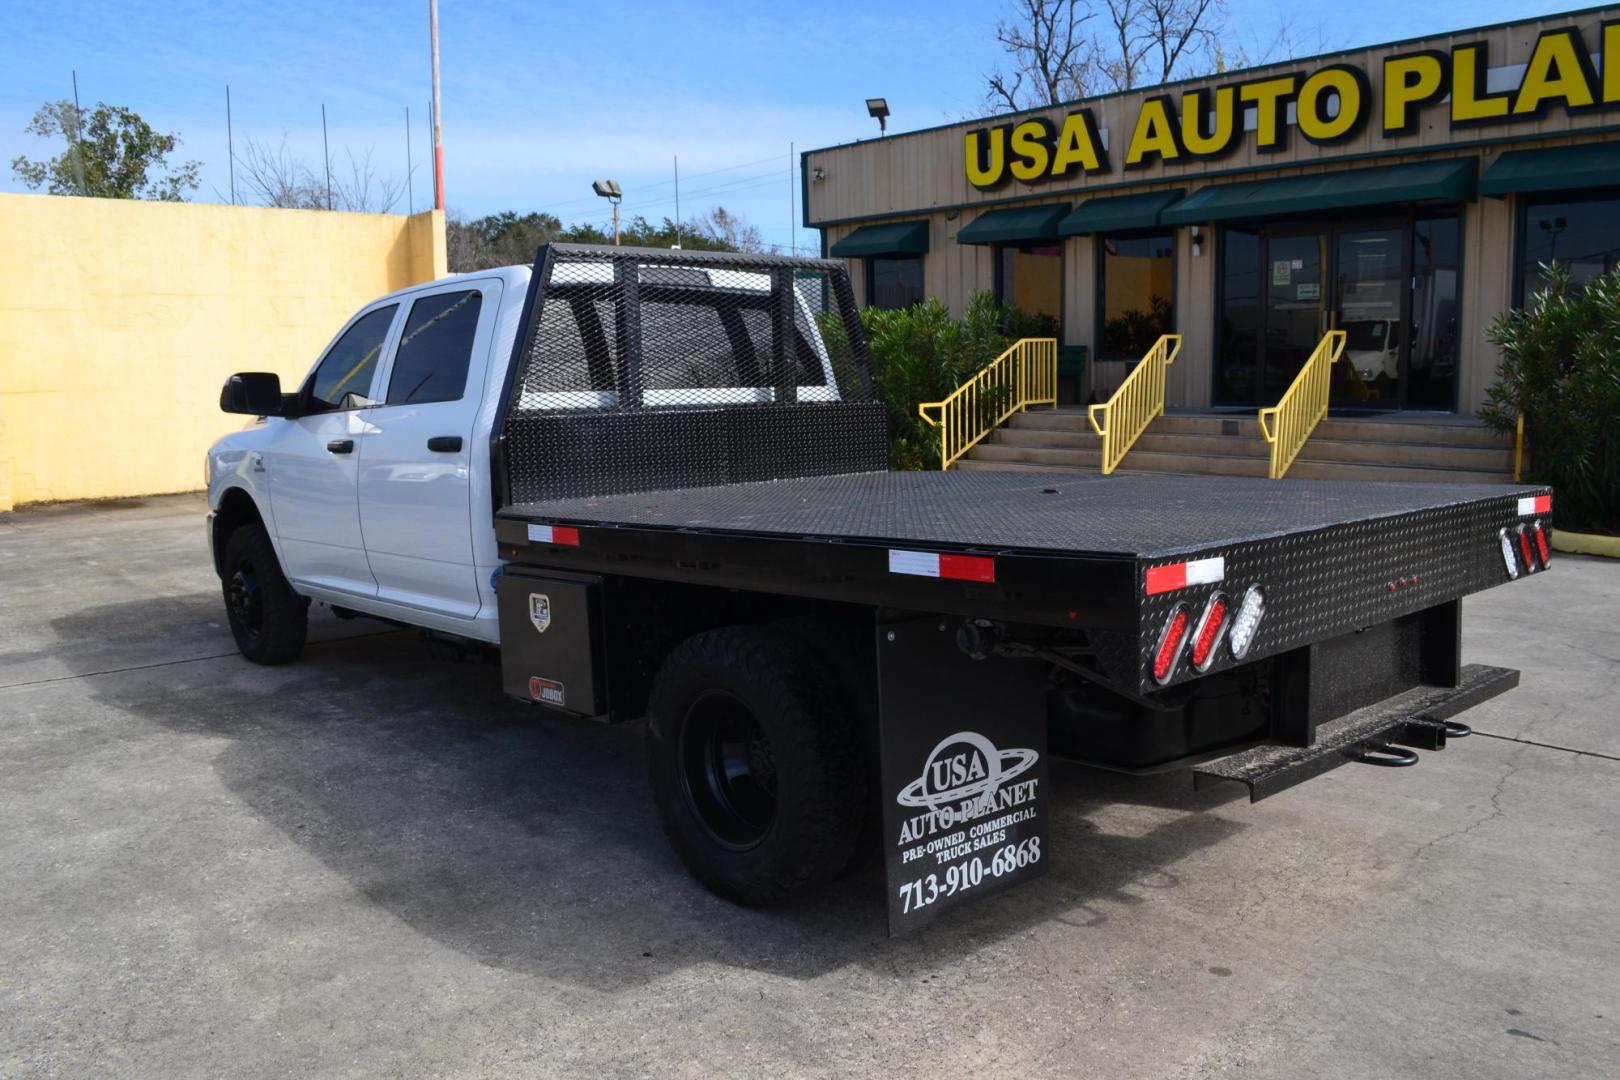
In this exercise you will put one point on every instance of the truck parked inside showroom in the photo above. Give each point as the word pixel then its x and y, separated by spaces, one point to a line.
pixel 657 481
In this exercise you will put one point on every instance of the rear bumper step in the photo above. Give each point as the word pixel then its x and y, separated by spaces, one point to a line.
pixel 1418 717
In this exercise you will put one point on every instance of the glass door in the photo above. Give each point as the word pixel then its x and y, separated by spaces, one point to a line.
pixel 1390 285
pixel 1273 310
pixel 1367 298
pixel 1295 307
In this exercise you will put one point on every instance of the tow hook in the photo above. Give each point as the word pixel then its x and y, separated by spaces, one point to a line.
pixel 1455 730
pixel 1385 755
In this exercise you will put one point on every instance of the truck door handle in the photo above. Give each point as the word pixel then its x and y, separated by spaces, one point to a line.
pixel 447 444
pixel 340 446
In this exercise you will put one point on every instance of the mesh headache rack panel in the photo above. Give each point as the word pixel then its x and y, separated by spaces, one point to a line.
pixel 639 369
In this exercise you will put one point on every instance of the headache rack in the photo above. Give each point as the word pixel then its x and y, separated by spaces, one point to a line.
pixel 640 369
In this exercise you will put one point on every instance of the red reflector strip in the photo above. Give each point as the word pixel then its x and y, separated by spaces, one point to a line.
pixel 1541 542
pixel 566 535
pixel 934 565
pixel 1209 630
pixel 1170 645
pixel 1161 579
pixel 1537 504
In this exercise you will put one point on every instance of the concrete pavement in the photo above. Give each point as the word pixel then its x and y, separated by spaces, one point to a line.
pixel 371 863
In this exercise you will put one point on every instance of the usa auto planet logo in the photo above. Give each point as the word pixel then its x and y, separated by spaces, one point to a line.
pixel 964 778
pixel 540 611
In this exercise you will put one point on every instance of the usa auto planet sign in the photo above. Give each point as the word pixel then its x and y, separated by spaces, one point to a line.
pixel 964 772
pixel 969 824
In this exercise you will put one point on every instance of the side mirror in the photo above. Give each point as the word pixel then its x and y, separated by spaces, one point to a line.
pixel 256 393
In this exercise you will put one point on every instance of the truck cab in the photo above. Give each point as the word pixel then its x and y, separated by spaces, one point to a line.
pixel 367 482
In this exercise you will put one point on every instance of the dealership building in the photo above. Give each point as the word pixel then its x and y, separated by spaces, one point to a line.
pixel 1405 193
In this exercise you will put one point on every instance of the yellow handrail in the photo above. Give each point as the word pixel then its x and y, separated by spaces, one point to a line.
pixel 1302 406
pixel 1518 450
pixel 1024 375
pixel 1138 400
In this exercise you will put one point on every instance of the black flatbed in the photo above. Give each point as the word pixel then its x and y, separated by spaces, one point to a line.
pixel 1137 516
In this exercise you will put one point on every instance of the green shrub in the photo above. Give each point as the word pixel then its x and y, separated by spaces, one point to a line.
pixel 920 353
pixel 1561 369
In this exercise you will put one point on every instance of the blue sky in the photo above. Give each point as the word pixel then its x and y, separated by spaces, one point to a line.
pixel 540 98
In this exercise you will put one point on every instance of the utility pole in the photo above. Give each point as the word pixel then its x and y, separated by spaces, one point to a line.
pixel 230 142
pixel 438 135
pixel 410 167
pixel 677 200
pixel 78 118
pixel 793 220
pixel 326 152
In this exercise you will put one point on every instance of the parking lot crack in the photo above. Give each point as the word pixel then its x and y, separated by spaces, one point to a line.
pixel 1496 809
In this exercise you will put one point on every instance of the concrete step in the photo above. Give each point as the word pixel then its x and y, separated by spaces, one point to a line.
pixel 1319 448
pixel 1212 464
pixel 1220 465
pixel 1449 431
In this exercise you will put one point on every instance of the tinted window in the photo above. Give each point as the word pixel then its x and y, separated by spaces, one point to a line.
pixel 1138 286
pixel 1581 234
pixel 344 377
pixel 431 361
pixel 1238 380
pixel 894 282
pixel 1029 277
pixel 1432 372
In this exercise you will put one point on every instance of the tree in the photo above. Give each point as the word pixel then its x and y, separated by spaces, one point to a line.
pixel 1051 54
pixel 509 238
pixel 273 176
pixel 1067 49
pixel 111 154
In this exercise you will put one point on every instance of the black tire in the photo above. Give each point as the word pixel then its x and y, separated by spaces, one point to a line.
pixel 268 620
pixel 755 765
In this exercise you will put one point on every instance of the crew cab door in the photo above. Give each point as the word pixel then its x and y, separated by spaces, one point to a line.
pixel 311 460
pixel 418 454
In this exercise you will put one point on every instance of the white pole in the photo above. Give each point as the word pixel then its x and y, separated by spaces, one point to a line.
pixel 677 200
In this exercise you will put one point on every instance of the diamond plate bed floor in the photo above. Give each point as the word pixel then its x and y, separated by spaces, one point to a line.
pixel 1136 516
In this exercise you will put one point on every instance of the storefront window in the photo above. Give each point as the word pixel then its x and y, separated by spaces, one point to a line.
pixel 1237 373
pixel 1030 278
pixel 894 281
pixel 1583 234
pixel 1136 302
pixel 1432 372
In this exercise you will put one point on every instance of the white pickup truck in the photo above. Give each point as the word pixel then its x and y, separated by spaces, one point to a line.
pixel 658 482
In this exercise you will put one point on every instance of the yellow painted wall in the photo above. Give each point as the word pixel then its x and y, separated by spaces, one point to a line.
pixel 120 319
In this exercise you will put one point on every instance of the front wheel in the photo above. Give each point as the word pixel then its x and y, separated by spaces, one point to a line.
pixel 755 765
pixel 268 620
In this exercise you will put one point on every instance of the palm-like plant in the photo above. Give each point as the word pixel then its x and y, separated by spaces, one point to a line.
pixel 1560 370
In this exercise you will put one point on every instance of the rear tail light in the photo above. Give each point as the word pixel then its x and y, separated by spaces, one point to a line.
pixel 1207 634
pixel 1171 639
pixel 1542 545
pixel 1250 611
pixel 1524 546
pixel 1509 559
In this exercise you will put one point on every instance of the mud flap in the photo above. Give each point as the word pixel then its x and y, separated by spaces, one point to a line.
pixel 963 748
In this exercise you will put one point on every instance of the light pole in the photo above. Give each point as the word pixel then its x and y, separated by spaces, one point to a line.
pixel 438 138
pixel 878 109
pixel 609 190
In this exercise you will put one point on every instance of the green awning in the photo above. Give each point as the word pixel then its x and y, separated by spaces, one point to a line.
pixel 1453 181
pixel 899 238
pixel 1014 226
pixel 1118 213
pixel 1558 168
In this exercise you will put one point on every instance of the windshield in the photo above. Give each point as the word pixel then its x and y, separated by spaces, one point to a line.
pixel 1367 336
